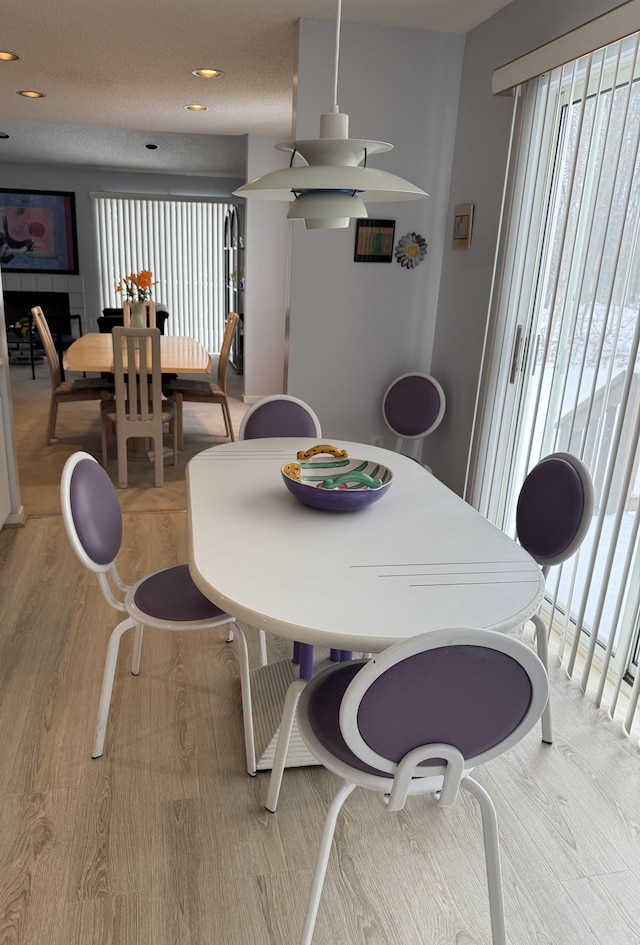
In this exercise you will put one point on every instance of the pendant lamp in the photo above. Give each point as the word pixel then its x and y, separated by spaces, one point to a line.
pixel 334 184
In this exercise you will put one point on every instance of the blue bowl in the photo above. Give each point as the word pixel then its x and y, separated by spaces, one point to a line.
pixel 336 482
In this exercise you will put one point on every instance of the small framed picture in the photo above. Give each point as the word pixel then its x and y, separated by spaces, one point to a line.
pixel 462 224
pixel 374 241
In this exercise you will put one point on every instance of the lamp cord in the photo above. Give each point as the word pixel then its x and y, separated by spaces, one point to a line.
pixel 334 107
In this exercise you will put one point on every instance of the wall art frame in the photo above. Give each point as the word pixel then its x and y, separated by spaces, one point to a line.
pixel 374 240
pixel 462 226
pixel 38 231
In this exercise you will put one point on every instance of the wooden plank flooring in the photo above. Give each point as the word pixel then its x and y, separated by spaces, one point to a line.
pixel 164 841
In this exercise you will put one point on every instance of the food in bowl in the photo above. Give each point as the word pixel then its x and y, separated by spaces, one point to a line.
pixel 325 477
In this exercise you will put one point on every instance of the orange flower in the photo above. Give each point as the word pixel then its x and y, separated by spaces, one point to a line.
pixel 137 285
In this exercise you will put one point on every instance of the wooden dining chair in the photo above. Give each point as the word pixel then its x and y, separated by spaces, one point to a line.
pixel 416 720
pixel 139 409
pixel 190 391
pixel 64 392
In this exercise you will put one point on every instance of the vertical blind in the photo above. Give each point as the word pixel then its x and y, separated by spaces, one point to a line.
pixel 565 367
pixel 182 242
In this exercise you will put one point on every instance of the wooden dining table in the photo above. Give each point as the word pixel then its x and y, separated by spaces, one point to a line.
pixel 178 355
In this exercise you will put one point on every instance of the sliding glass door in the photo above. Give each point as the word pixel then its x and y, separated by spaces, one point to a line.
pixel 565 374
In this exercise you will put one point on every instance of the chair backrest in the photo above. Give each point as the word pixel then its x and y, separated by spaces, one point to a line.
pixel 46 339
pixel 413 405
pixel 478 691
pixel 225 350
pixel 279 415
pixel 555 507
pixel 139 392
pixel 91 512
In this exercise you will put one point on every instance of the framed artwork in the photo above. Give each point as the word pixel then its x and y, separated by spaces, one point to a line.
pixel 374 240
pixel 462 223
pixel 38 231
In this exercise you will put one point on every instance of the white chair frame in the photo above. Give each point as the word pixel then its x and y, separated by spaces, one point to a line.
pixel 265 400
pixel 417 439
pixel 541 631
pixel 408 779
pixel 121 597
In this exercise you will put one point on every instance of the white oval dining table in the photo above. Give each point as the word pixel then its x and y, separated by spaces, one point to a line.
pixel 420 558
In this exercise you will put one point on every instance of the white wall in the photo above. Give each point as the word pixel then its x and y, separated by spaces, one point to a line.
pixel 355 326
pixel 268 237
pixel 477 177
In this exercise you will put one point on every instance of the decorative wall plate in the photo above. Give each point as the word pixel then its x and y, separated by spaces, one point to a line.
pixel 411 250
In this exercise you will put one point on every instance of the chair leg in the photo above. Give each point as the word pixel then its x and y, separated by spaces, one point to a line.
pixel 158 456
pixel 121 448
pixel 492 859
pixel 173 429
pixel 542 644
pixel 323 861
pixel 226 413
pixel 137 650
pixel 177 399
pixel 282 745
pixel 53 416
pixel 107 684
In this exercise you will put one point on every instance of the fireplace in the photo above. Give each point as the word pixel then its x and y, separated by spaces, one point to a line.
pixel 55 306
pixel 25 346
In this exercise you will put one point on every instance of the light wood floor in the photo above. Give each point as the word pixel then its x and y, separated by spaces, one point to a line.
pixel 164 841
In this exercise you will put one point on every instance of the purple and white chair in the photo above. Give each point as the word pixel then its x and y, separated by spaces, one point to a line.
pixel 413 407
pixel 416 719
pixel 165 600
pixel 279 415
pixel 553 515
pixel 276 415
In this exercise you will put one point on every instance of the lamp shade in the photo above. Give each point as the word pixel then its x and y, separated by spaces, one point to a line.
pixel 334 184
pixel 326 210
pixel 372 184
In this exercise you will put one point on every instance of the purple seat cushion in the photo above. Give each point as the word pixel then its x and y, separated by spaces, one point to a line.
pixel 172 595
pixel 468 696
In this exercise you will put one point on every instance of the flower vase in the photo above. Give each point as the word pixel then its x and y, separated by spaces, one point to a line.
pixel 137 318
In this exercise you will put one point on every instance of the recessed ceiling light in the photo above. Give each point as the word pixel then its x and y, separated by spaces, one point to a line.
pixel 196 108
pixel 3 135
pixel 207 73
pixel 6 56
pixel 31 94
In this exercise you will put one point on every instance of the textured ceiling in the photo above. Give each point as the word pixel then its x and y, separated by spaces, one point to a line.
pixel 117 65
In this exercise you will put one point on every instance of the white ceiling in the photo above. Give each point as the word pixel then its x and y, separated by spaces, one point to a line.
pixel 117 73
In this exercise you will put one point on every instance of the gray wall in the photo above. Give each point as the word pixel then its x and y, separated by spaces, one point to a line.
pixel 477 177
